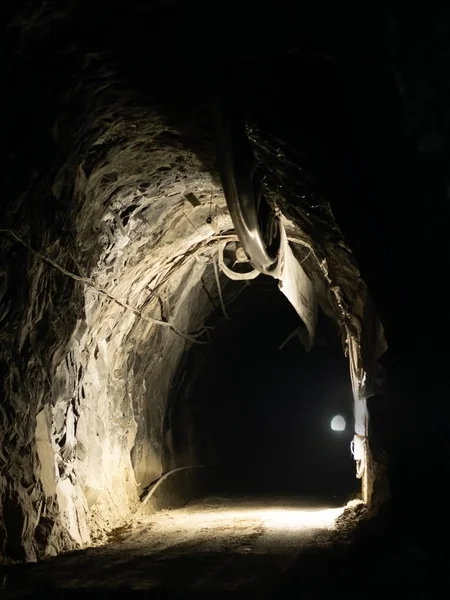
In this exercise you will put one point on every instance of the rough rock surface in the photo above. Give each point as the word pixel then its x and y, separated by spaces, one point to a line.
pixel 104 242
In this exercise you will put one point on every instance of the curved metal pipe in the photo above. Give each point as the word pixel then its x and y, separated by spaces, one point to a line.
pixel 237 167
pixel 232 274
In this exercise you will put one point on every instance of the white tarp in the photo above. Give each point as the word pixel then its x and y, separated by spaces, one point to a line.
pixel 297 286
pixel 293 282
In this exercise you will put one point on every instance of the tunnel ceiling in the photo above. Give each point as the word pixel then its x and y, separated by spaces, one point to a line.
pixel 117 147
pixel 112 212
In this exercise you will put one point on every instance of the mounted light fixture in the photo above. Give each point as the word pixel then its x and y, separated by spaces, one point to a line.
pixel 338 423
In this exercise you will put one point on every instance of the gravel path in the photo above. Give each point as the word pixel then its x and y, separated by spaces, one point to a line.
pixel 220 545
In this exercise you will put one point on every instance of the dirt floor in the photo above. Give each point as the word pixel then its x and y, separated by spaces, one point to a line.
pixel 253 548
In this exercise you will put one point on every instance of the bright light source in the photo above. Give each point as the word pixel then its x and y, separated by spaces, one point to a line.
pixel 338 423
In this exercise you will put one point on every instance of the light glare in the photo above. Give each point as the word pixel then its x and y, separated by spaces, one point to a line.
pixel 277 519
pixel 338 423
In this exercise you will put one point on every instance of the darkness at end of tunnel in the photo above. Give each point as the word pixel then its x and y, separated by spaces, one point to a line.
pixel 262 410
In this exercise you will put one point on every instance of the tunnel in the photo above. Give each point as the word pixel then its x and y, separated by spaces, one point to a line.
pixel 222 250
pixel 262 405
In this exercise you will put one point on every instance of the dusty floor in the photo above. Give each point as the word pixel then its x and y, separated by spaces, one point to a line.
pixel 253 548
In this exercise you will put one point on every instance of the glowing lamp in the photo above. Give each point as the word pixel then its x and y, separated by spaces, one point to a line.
pixel 338 423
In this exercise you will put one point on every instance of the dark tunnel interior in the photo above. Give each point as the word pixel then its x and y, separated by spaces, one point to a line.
pixel 262 405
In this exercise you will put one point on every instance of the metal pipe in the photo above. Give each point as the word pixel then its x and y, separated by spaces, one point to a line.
pixel 237 169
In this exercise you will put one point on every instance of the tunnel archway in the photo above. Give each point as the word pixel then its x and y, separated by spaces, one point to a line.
pixel 261 404
pixel 113 218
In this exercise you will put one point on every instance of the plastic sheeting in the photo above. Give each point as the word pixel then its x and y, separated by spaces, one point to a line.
pixel 295 284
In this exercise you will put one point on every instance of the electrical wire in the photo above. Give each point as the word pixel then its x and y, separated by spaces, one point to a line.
pixel 87 281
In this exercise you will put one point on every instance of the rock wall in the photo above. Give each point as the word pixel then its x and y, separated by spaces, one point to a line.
pixel 99 246
pixel 105 264
pixel 89 404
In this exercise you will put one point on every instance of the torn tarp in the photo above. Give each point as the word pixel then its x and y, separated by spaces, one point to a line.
pixel 297 287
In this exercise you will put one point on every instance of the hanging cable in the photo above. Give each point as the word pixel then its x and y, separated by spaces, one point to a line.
pixel 103 292
pixel 219 289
